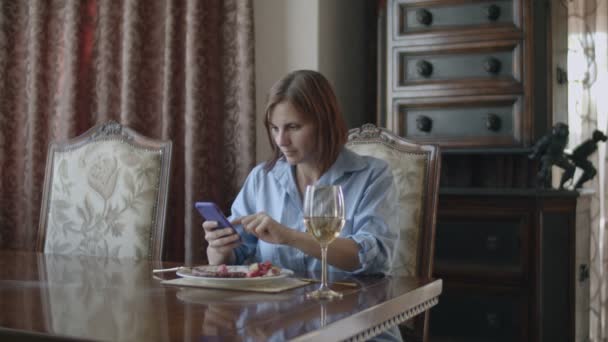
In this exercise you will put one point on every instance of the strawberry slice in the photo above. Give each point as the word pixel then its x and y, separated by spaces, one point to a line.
pixel 262 269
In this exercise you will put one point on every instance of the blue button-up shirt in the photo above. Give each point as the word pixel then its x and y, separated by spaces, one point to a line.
pixel 370 201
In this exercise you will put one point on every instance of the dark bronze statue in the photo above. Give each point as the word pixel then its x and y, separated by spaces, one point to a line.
pixel 582 152
pixel 550 150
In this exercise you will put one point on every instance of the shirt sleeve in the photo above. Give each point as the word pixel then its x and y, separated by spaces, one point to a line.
pixel 376 224
pixel 243 205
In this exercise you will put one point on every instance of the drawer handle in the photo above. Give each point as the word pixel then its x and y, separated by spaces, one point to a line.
pixel 492 65
pixel 493 320
pixel 583 272
pixel 561 76
pixel 424 123
pixel 424 68
pixel 493 122
pixel 492 243
pixel 424 17
pixel 493 12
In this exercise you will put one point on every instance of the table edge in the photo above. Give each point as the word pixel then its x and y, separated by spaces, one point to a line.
pixel 381 318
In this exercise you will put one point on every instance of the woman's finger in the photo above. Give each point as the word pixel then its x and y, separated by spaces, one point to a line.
pixel 251 223
pixel 209 225
pixel 261 230
pixel 264 224
pixel 218 233
pixel 252 217
pixel 245 220
pixel 227 248
pixel 222 240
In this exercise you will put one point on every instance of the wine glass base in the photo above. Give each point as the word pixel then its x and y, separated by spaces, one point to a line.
pixel 324 294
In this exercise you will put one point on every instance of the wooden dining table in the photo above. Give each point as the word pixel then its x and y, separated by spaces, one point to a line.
pixel 58 297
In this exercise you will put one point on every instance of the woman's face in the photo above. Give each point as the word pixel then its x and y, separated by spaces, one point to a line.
pixel 293 133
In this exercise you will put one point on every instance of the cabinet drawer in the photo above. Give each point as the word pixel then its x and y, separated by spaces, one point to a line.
pixel 412 16
pixel 480 314
pixel 490 244
pixel 458 68
pixel 478 245
pixel 463 121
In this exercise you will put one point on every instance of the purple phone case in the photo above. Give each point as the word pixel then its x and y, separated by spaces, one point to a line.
pixel 211 212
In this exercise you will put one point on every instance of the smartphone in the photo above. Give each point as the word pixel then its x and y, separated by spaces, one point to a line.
pixel 211 212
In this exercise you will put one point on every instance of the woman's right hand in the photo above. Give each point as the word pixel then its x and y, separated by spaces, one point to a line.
pixel 221 243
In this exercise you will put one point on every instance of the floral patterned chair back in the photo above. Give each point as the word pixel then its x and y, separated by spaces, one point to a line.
pixel 105 193
pixel 416 171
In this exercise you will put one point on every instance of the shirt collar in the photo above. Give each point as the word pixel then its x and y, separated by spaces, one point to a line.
pixel 347 162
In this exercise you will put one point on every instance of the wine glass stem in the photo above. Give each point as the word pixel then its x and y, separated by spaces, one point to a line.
pixel 324 267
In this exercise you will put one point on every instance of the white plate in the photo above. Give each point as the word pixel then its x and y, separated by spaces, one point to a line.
pixel 186 272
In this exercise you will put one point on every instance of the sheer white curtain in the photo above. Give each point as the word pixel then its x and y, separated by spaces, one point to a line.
pixel 588 110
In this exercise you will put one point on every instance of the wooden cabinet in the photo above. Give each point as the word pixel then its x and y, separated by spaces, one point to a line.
pixel 474 77
pixel 508 263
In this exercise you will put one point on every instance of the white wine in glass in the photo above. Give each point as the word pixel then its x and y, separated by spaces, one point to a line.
pixel 324 219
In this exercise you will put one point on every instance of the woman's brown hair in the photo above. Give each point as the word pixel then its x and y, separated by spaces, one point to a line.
pixel 312 95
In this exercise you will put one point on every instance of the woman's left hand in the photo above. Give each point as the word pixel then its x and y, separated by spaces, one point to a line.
pixel 265 228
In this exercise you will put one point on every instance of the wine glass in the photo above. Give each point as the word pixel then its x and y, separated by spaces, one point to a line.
pixel 324 219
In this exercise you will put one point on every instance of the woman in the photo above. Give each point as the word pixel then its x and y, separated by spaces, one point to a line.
pixel 307 133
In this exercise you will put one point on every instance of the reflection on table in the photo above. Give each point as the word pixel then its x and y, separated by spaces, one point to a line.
pixel 118 299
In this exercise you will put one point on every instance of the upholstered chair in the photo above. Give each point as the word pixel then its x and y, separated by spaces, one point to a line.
pixel 105 193
pixel 416 171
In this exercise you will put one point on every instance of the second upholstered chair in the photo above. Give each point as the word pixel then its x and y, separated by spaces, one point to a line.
pixel 105 193
pixel 416 171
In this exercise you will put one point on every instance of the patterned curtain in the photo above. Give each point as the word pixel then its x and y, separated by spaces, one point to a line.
pixel 172 69
pixel 588 110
